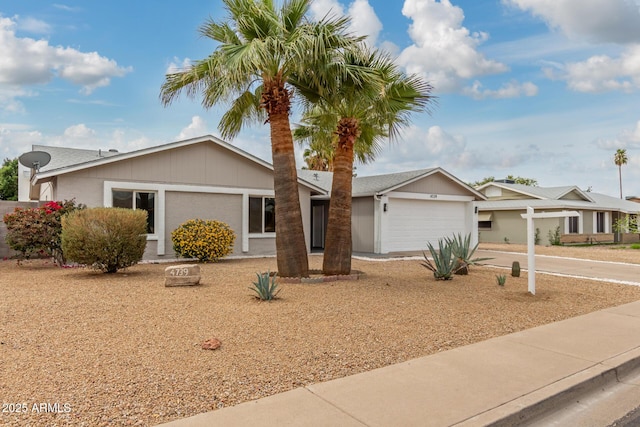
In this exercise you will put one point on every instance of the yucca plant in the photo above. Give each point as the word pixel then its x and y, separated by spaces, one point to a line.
pixel 442 262
pixel 266 288
pixel 463 252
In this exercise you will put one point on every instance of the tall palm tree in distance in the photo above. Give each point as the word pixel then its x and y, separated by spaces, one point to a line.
pixel 620 158
pixel 355 116
pixel 259 48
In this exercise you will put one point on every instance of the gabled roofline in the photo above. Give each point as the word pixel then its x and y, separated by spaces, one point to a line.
pixel 428 173
pixel 575 188
pixel 44 176
pixel 506 186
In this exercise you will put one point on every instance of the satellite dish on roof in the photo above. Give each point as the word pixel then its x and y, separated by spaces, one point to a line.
pixel 35 159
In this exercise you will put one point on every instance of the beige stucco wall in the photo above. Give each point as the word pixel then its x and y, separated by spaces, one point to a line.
pixel 198 164
pixel 511 225
pixel 362 223
pixel 181 207
pixel 435 184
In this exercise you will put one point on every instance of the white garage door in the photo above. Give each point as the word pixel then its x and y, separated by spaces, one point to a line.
pixel 413 223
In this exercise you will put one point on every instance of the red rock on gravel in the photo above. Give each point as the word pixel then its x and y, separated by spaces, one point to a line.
pixel 211 344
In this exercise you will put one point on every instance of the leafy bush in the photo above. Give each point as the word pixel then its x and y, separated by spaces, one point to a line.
pixel 554 237
pixel 627 224
pixel 463 252
pixel 37 230
pixel 266 287
pixel 107 239
pixel 635 246
pixel 501 279
pixel 204 240
pixel 443 264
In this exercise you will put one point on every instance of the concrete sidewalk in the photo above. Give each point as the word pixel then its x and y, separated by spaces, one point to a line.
pixel 502 381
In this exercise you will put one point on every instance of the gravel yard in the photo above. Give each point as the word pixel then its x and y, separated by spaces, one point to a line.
pixel 79 347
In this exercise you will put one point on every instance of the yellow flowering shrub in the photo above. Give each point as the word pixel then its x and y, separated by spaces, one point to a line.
pixel 205 240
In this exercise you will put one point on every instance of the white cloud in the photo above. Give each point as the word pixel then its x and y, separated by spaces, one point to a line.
pixel 15 140
pixel 32 25
pixel 511 89
pixel 197 127
pixel 616 21
pixel 601 73
pixel 321 8
pixel 26 61
pixel 80 131
pixel 443 51
pixel 364 21
pixel 628 138
pixel 178 65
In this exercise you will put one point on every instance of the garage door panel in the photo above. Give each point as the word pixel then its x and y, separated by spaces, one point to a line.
pixel 414 223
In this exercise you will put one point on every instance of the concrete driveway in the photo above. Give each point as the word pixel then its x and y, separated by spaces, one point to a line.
pixel 618 272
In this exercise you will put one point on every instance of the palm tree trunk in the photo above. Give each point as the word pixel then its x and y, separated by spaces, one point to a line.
pixel 620 178
pixel 290 244
pixel 338 247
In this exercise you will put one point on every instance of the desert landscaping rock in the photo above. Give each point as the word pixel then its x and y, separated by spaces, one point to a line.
pixel 211 344
pixel 182 275
pixel 119 350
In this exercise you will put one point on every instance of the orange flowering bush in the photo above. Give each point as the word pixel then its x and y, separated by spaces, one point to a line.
pixel 205 240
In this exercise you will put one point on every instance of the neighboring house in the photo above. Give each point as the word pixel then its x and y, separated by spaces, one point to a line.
pixel 210 179
pixel 499 217
pixel 399 212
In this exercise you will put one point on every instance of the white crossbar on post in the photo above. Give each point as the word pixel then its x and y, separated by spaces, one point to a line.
pixel 531 242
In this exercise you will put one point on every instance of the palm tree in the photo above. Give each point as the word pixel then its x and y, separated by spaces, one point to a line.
pixel 620 158
pixel 260 48
pixel 318 158
pixel 356 115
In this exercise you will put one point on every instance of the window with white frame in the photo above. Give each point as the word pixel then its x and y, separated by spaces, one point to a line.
pixel 262 215
pixel 601 221
pixel 574 224
pixel 144 200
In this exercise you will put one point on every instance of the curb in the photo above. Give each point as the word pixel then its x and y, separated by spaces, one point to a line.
pixel 557 395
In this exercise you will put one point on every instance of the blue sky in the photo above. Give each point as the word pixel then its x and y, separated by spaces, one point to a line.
pixel 545 89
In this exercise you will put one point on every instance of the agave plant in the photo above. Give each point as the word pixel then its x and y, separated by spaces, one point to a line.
pixel 463 252
pixel 266 287
pixel 442 262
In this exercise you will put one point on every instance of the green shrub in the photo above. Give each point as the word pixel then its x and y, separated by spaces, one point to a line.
pixel 204 240
pixel 107 239
pixel 501 279
pixel 444 263
pixel 266 287
pixel 554 237
pixel 37 230
pixel 635 246
pixel 463 252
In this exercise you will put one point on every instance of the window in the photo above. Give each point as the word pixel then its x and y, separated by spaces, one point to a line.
pixel 573 224
pixel 137 200
pixel 262 215
pixel 484 225
pixel 600 222
pixel 484 220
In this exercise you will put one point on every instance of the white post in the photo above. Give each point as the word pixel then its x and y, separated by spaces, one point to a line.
pixel 531 240
pixel 531 252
